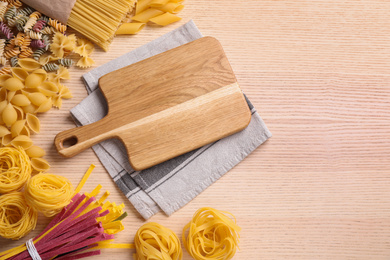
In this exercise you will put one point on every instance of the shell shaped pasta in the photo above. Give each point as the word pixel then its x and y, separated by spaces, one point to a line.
pixel 9 115
pixel 13 84
pixel 37 98
pixel 35 152
pixel 30 109
pixel 48 88
pixel 4 131
pixel 25 131
pixel 3 104
pixel 39 164
pixel 29 64
pixel 3 78
pixel 20 100
pixel 3 94
pixel 33 123
pixel 6 140
pixel 33 81
pixel 22 141
pixel 19 73
pixel 10 95
pixel 44 107
pixel 19 112
pixel 17 127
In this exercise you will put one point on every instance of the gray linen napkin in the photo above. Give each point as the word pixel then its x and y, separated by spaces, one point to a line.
pixel 172 184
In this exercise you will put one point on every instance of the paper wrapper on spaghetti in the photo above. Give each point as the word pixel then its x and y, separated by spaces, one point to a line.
pixel 96 20
pixel 56 9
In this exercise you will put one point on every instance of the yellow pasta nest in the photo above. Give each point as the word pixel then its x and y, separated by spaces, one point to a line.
pixel 15 169
pixel 154 241
pixel 17 218
pixel 211 234
pixel 48 193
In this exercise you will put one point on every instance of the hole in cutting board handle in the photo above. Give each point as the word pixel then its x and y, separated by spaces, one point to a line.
pixel 70 141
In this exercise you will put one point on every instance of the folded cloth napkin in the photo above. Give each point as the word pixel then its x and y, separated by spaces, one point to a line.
pixel 172 184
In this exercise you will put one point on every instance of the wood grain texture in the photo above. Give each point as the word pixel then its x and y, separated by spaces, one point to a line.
pixel 167 105
pixel 318 73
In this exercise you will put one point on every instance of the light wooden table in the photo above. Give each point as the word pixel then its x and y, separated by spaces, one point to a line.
pixel 318 73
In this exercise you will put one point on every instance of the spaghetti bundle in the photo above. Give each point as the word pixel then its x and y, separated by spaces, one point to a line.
pixel 17 218
pixel 15 169
pixel 48 193
pixel 154 241
pixel 99 19
pixel 211 234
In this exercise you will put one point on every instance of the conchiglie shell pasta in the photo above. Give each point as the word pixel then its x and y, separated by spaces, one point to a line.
pixel 49 89
pixel 22 141
pixel 33 123
pixel 35 151
pixel 39 164
pixel 20 100
pixel 3 78
pixel 6 140
pixel 37 98
pixel 32 109
pixel 44 107
pixel 13 84
pixel 19 73
pixel 33 80
pixel 25 131
pixel 17 127
pixel 3 94
pixel 19 112
pixel 4 131
pixel 29 64
pixel 9 115
pixel 10 95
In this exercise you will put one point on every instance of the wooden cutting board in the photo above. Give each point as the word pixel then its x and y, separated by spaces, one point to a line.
pixel 166 105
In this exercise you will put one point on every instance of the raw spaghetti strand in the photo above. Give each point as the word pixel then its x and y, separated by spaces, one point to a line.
pixel 211 235
pixel 17 218
pixel 48 193
pixel 15 169
pixel 154 241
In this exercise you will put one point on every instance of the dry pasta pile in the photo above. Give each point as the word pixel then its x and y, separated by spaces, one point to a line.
pixel 34 55
pixel 211 234
pixel 154 241
pixel 160 12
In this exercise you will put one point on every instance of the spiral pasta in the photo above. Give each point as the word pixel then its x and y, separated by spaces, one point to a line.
pixel 154 241
pixel 57 25
pixel 211 234
pixel 48 193
pixel 15 169
pixel 17 218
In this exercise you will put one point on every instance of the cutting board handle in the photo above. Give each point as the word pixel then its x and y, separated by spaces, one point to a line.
pixel 73 141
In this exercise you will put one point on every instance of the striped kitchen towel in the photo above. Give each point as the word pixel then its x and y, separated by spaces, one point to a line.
pixel 172 184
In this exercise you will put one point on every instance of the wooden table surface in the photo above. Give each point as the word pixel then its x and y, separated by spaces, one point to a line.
pixel 318 73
